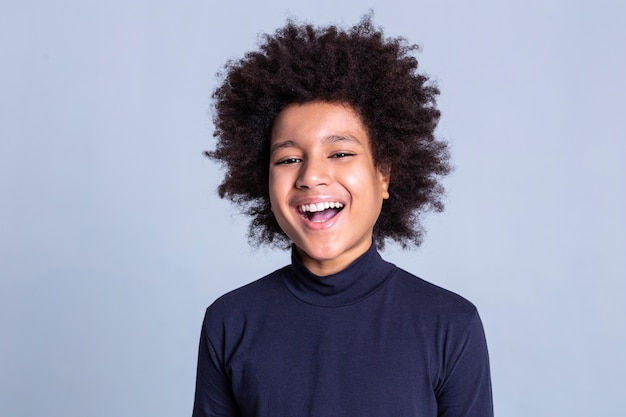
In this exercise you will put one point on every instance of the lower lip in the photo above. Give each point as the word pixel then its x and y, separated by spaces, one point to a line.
pixel 320 225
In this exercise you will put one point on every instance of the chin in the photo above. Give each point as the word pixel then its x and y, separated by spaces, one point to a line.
pixel 319 252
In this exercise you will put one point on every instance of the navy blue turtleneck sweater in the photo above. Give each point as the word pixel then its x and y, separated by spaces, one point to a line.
pixel 371 340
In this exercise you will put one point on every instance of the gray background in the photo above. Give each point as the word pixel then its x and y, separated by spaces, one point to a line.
pixel 113 241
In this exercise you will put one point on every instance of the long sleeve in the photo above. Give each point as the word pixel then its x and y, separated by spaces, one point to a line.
pixel 214 397
pixel 466 389
pixel 372 340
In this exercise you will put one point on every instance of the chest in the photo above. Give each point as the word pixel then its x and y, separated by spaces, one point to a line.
pixel 371 358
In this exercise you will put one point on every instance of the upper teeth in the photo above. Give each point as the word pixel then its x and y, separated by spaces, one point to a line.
pixel 320 206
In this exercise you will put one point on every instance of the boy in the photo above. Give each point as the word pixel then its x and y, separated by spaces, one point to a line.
pixel 328 141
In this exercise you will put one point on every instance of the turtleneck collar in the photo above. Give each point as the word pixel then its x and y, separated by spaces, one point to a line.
pixel 361 278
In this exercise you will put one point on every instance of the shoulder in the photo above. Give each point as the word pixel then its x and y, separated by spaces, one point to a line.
pixel 451 322
pixel 247 299
pixel 432 299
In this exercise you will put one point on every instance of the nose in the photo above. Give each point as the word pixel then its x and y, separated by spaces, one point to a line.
pixel 313 174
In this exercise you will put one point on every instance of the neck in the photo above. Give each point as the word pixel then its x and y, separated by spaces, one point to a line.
pixel 352 283
pixel 325 267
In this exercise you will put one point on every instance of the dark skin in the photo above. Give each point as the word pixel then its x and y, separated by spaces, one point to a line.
pixel 376 77
pixel 325 190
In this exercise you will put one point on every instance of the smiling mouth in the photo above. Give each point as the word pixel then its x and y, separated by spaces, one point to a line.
pixel 320 212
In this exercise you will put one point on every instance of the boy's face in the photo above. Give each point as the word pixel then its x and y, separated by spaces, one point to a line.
pixel 325 190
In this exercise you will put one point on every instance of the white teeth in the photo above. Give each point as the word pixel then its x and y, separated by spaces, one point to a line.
pixel 320 206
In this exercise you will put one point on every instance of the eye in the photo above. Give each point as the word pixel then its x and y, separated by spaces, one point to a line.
pixel 288 161
pixel 341 155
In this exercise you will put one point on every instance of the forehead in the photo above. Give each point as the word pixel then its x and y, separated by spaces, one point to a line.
pixel 329 122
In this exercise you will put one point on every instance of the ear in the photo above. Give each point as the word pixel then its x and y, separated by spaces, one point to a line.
pixel 383 177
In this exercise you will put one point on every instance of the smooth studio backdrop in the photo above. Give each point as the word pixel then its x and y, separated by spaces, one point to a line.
pixel 113 240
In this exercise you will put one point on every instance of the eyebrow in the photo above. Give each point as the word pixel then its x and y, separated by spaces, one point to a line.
pixel 328 139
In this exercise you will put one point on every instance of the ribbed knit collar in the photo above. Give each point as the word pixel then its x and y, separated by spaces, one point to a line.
pixel 363 277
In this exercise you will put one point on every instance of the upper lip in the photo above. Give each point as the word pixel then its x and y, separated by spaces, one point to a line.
pixel 300 205
pixel 320 206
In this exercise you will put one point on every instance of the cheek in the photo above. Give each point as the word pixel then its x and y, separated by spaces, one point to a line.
pixel 366 183
pixel 278 189
pixel 271 186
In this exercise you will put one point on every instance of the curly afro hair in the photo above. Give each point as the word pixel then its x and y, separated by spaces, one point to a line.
pixel 375 76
